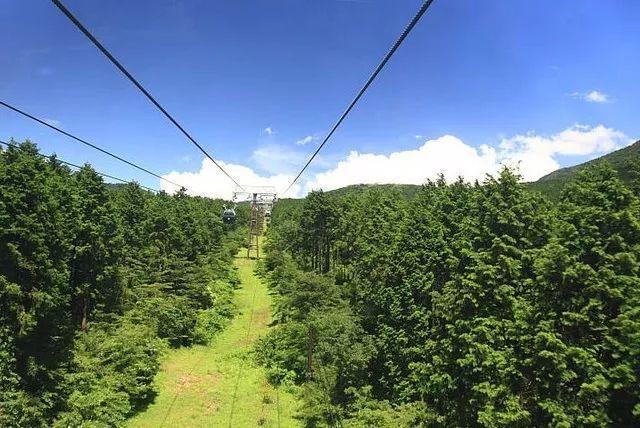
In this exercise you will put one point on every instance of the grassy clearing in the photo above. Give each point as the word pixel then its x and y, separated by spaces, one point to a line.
pixel 219 384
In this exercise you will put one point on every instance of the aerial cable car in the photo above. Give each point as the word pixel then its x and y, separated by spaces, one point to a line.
pixel 229 215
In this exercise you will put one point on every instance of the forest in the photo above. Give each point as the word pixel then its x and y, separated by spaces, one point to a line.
pixel 396 297
pixel 453 304
pixel 460 304
pixel 96 281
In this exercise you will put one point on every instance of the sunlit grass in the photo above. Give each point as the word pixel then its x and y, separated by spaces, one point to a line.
pixel 220 385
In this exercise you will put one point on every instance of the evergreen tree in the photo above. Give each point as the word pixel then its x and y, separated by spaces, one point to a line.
pixel 91 278
pixel 34 294
pixel 589 295
pixel 318 227
pixel 96 251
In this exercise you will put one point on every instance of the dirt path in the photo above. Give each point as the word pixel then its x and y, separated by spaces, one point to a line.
pixel 219 385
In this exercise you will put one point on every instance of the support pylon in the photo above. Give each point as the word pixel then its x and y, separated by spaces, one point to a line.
pixel 256 223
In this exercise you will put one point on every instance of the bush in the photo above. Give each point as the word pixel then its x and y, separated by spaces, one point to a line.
pixel 368 412
pixel 100 407
pixel 212 320
pixel 172 317
pixel 209 323
pixel 283 354
pixel 111 375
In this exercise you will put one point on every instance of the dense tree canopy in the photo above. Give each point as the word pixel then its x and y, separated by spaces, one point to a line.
pixel 461 305
pixel 95 281
pixel 458 304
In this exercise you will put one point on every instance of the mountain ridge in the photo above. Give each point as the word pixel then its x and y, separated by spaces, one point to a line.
pixel 550 185
pixel 622 160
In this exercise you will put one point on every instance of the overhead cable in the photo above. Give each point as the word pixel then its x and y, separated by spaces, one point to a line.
pixel 80 140
pixel 133 80
pixel 375 73
pixel 79 167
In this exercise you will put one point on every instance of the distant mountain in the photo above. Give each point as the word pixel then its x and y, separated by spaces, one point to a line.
pixel 621 160
pixel 407 190
pixel 550 185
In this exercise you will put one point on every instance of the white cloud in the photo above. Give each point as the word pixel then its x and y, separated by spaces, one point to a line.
pixel 535 155
pixel 306 140
pixel 269 130
pixel 597 97
pixel 592 96
pixel 447 154
pixel 210 181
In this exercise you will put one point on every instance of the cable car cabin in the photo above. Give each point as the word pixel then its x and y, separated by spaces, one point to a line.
pixel 229 216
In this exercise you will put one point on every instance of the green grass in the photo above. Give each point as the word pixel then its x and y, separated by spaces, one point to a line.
pixel 220 385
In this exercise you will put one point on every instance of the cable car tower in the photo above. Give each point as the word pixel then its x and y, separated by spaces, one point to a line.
pixel 261 199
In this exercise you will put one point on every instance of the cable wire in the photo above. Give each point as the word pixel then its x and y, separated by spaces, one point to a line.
pixel 15 146
pixel 379 68
pixel 133 80
pixel 55 128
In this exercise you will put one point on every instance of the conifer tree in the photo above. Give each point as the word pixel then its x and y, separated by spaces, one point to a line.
pixel 96 251
pixel 589 291
pixel 34 295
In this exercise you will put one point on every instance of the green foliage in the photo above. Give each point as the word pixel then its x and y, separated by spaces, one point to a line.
pixel 172 318
pixel 466 305
pixel 405 190
pixel 369 412
pixel 112 375
pixel 316 339
pixel 214 319
pixel 92 279
pixel 456 305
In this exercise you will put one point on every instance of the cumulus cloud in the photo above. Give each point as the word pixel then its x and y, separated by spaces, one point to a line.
pixel 269 130
pixel 534 155
pixel 210 181
pixel 447 155
pixel 306 140
pixel 592 96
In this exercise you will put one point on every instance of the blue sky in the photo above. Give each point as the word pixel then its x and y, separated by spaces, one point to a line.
pixel 508 76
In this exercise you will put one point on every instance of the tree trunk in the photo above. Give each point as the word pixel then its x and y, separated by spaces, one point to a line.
pixel 85 323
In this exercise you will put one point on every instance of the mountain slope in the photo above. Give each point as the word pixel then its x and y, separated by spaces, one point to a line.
pixel 407 190
pixel 551 185
pixel 622 160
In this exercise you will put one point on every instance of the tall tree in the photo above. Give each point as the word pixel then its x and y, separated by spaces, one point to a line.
pixel 589 293
pixel 318 226
pixel 34 294
pixel 96 251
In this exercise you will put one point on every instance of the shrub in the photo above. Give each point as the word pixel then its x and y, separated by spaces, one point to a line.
pixel 172 317
pixel 111 375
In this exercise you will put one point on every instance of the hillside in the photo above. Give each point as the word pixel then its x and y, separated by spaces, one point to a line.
pixel 392 314
pixel 551 185
pixel 622 160
pixel 408 190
